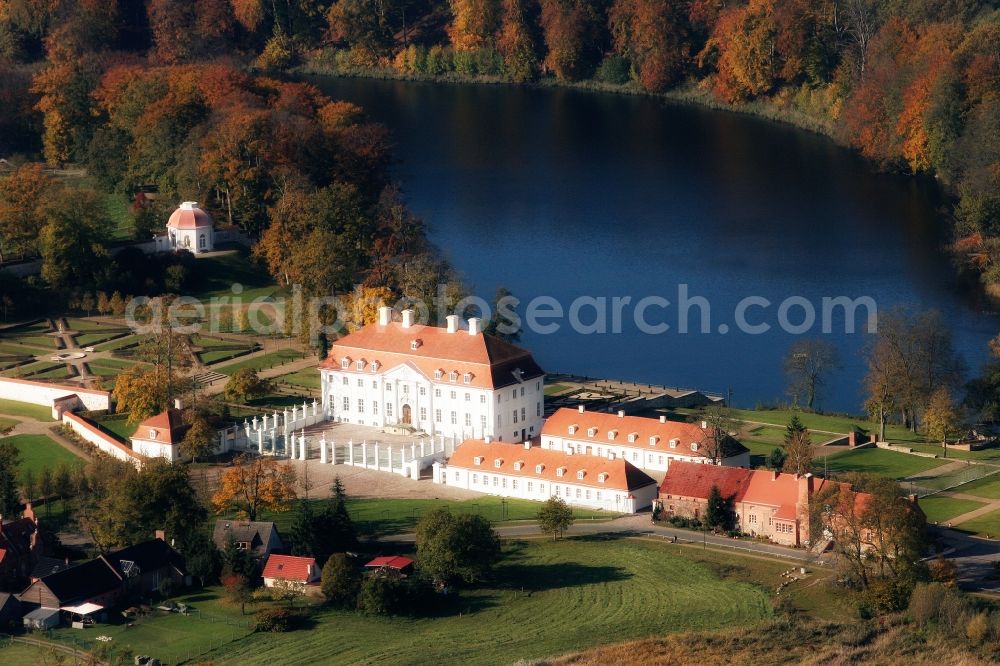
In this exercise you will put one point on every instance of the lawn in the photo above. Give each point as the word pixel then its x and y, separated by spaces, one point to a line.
pixel 19 654
pixel 552 389
pixel 988 524
pixel 878 461
pixel 547 598
pixel 940 509
pixel 118 343
pixel 988 487
pixel 39 370
pixel 118 424
pixel 308 378
pixel 96 338
pixel 39 452
pixel 216 276
pixel 263 362
pixel 109 367
pixel 15 408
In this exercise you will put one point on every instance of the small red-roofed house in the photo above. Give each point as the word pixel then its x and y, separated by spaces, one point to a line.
pixel 160 435
pixel 290 568
pixel 398 563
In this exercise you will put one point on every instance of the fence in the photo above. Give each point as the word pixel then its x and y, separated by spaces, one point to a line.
pixel 931 485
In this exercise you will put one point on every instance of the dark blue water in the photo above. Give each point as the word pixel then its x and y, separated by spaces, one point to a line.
pixel 565 193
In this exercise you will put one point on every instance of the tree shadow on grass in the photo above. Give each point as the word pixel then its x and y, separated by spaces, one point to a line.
pixel 542 577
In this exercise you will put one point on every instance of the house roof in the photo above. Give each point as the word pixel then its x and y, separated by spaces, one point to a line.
pixel 390 561
pixel 167 427
pixel 684 479
pixel 614 430
pixel 15 537
pixel 289 567
pixel 491 362
pixel 81 582
pixel 147 556
pixel 621 475
pixel 256 533
pixel 189 216
pixel 48 565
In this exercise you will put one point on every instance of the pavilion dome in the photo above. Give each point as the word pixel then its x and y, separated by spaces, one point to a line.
pixel 189 216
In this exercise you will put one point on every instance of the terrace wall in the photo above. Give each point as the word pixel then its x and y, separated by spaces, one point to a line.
pixel 103 441
pixel 44 393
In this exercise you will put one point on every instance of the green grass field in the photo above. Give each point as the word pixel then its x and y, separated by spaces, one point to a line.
pixel 215 277
pixel 118 424
pixel 40 451
pixel 940 509
pixel 552 389
pixel 15 408
pixel 308 378
pixel 263 362
pixel 118 343
pixel 39 370
pixel 109 367
pixel 988 487
pixel 18 654
pixel 988 524
pixel 878 461
pixel 547 598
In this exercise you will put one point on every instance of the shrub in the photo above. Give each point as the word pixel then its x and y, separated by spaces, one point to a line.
pixel 977 628
pixel 943 570
pixel 276 620
pixel 925 602
pixel 439 60
pixel 615 69
pixel 341 581
pixel 383 594
pixel 278 53
pixel 887 595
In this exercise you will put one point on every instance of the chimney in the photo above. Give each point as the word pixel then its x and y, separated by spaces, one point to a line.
pixel 384 315
pixel 178 404
pixel 704 425
pixel 663 418
pixel 474 326
pixel 774 475
pixel 161 535
pixel 580 409
pixel 452 323
pixel 29 513
pixel 527 445
pixel 621 413
pixel 488 439
pixel 407 318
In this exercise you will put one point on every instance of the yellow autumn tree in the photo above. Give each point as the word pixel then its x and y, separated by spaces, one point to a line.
pixel 255 484
pixel 363 304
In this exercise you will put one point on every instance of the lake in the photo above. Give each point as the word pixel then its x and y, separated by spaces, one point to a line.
pixel 575 195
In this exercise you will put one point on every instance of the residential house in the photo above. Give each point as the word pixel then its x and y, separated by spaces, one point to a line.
pixel 531 472
pixel 289 568
pixel 649 444
pixel 398 563
pixel 449 381
pixel 20 549
pixel 260 539
pixel 160 435
pixel 769 504
pixel 11 612
pixel 144 566
pixel 93 582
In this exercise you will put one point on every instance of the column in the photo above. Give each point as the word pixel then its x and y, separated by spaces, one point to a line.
pixel 263 423
pixel 246 427
pixel 389 447
pixel 364 453
pixel 350 453
pixel 222 441
pixel 413 450
pixel 322 449
pixel 376 457
pixel 315 406
pixel 422 454
pixel 274 441
pixel 303 453
pixel 260 442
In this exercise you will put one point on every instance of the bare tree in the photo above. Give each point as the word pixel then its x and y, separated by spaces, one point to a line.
pixel 807 366
pixel 721 426
pixel 861 22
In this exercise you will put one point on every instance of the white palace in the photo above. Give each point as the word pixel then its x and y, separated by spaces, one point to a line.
pixel 452 381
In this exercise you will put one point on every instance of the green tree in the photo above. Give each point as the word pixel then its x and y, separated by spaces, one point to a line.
pixel 555 517
pixel 942 418
pixel 10 499
pixel 29 485
pixel 72 239
pixel 719 511
pixel 776 459
pixel 454 549
pixel 245 385
pixel 383 594
pixel 238 590
pixel 47 486
pixel 200 440
pixel 341 581
pixel 237 561
pixel 203 558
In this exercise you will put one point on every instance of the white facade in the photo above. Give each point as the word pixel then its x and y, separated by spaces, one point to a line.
pixel 44 393
pixel 397 388
pixel 495 482
pixel 189 228
pixel 644 457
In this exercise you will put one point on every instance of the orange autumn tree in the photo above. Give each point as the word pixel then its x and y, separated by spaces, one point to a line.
pixel 474 23
pixel 569 28
pixel 654 35
pixel 23 196
pixel 516 42
pixel 744 39
pixel 255 484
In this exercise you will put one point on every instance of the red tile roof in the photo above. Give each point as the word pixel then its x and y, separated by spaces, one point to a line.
pixel 491 362
pixel 289 567
pixel 620 474
pixel 615 430
pixel 189 216
pixel 168 427
pixel 391 561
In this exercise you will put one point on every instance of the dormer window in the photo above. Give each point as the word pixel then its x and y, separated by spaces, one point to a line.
pixel 345 363
pixel 580 474
pixel 591 431
pixel 632 436
pixel 602 477
pixel 612 434
pixel 573 429
pixel 653 440
pixel 361 364
pixel 467 378
pixel 453 376
pixel 560 471
pixel 375 366
pixel 478 460
pixel 498 463
pixel 694 446
pixel 539 468
pixel 438 374
pixel 518 465
pixel 152 434
pixel 415 344
pixel 673 443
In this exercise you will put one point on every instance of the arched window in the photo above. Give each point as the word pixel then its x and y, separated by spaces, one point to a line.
pixel 201 242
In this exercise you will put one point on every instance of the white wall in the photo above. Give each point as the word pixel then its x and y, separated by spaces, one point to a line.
pixel 43 393
pixel 154 449
pixel 653 458
pixel 102 441
pixel 539 490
